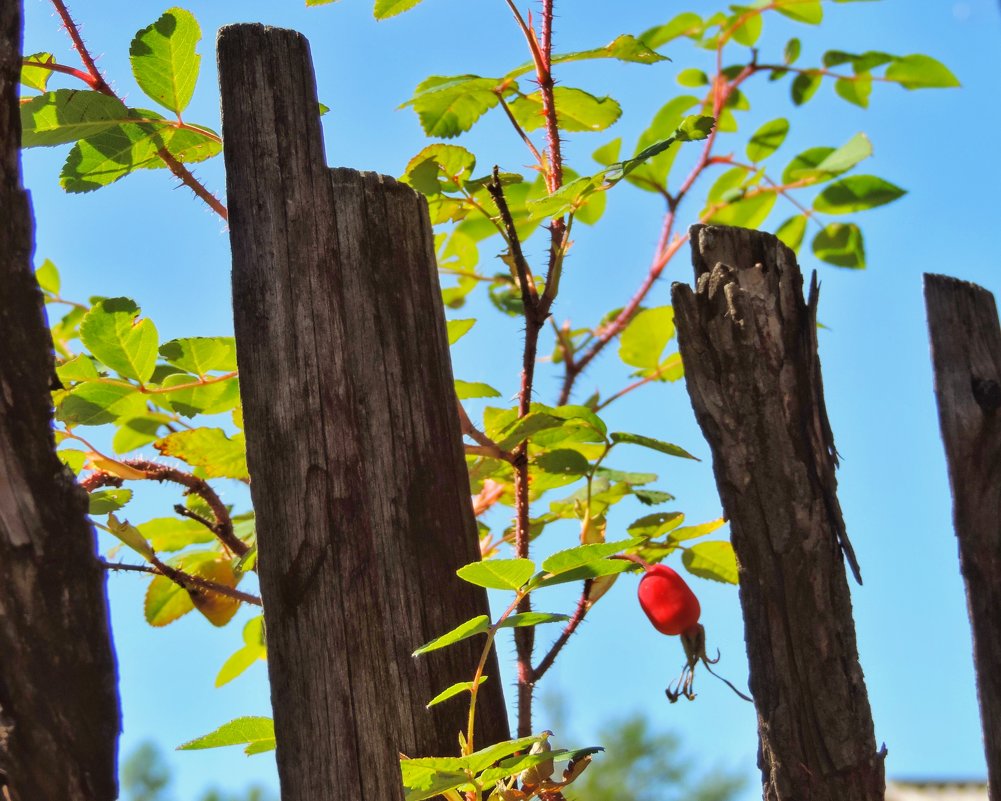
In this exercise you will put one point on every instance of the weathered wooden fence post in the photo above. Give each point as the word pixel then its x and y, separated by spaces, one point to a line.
pixel 59 717
pixel 748 343
pixel 966 356
pixel 354 448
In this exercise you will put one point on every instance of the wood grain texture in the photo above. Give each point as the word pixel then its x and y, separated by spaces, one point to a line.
pixel 354 448
pixel 748 343
pixel 966 356
pixel 59 716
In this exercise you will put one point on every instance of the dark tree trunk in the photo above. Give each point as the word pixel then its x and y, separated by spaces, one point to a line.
pixel 966 356
pixel 748 343
pixel 59 717
pixel 353 440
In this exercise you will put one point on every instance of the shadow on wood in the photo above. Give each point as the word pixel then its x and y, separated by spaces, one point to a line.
pixel 59 715
pixel 749 345
pixel 966 356
pixel 358 475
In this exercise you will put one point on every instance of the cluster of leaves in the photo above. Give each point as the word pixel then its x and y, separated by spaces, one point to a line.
pixel 182 398
pixel 111 140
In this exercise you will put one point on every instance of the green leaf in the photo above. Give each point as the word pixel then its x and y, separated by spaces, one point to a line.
pixel 131 536
pixel 250 731
pixel 563 462
pixel 457 329
pixel 692 78
pixel 384 9
pixel 767 139
pixel 644 339
pixel 608 153
pixel 623 48
pixel 454 690
pixel 651 174
pixel 237 663
pixel 37 77
pixel 210 449
pixel 808 11
pixel 855 90
pixel 840 244
pixel 201 355
pixel 652 526
pixel 213 398
pixel 653 444
pixel 55 118
pixel 114 335
pixel 749 29
pixel 106 157
pixel 791 232
pixel 47 275
pixel 95 404
pixel 748 212
pixel 477 625
pixel 474 389
pixel 498 574
pixel 824 163
pixel 138 431
pixel 694 532
pixel 920 72
pixel 440 168
pixel 254 649
pixel 79 368
pixel 164 61
pixel 525 619
pixel 110 500
pixel 525 427
pixel 856 193
pixel 573 558
pixel 174 533
pixel 576 110
pixel 805 86
pixel 685 24
pixel 449 106
pixel 711 560
pixel 590 570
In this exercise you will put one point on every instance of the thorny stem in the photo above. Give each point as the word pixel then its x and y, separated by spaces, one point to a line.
pixel 96 81
pixel 519 130
pixel 487 447
pixel 223 527
pixel 182 579
pixel 529 294
pixel 667 247
pixel 583 605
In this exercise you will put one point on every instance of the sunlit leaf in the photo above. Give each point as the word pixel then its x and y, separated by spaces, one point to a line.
pixel 498 574
pixel 840 244
pixel 164 61
pixel 711 560
pixel 250 731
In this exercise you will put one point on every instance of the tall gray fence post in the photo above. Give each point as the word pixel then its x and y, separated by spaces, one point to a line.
pixel 749 345
pixel 966 357
pixel 353 442
pixel 59 714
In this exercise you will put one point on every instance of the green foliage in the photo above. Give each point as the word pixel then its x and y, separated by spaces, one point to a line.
pixel 256 733
pixel 182 397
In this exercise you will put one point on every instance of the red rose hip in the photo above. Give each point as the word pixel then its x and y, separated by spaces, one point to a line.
pixel 668 601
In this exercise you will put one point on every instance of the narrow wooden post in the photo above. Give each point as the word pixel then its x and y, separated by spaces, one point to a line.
pixel 748 343
pixel 354 447
pixel 966 356
pixel 59 716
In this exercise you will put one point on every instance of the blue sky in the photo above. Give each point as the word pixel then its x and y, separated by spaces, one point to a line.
pixel 148 239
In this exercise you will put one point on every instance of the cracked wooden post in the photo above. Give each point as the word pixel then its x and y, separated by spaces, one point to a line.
pixel 748 342
pixel 59 716
pixel 966 356
pixel 353 441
